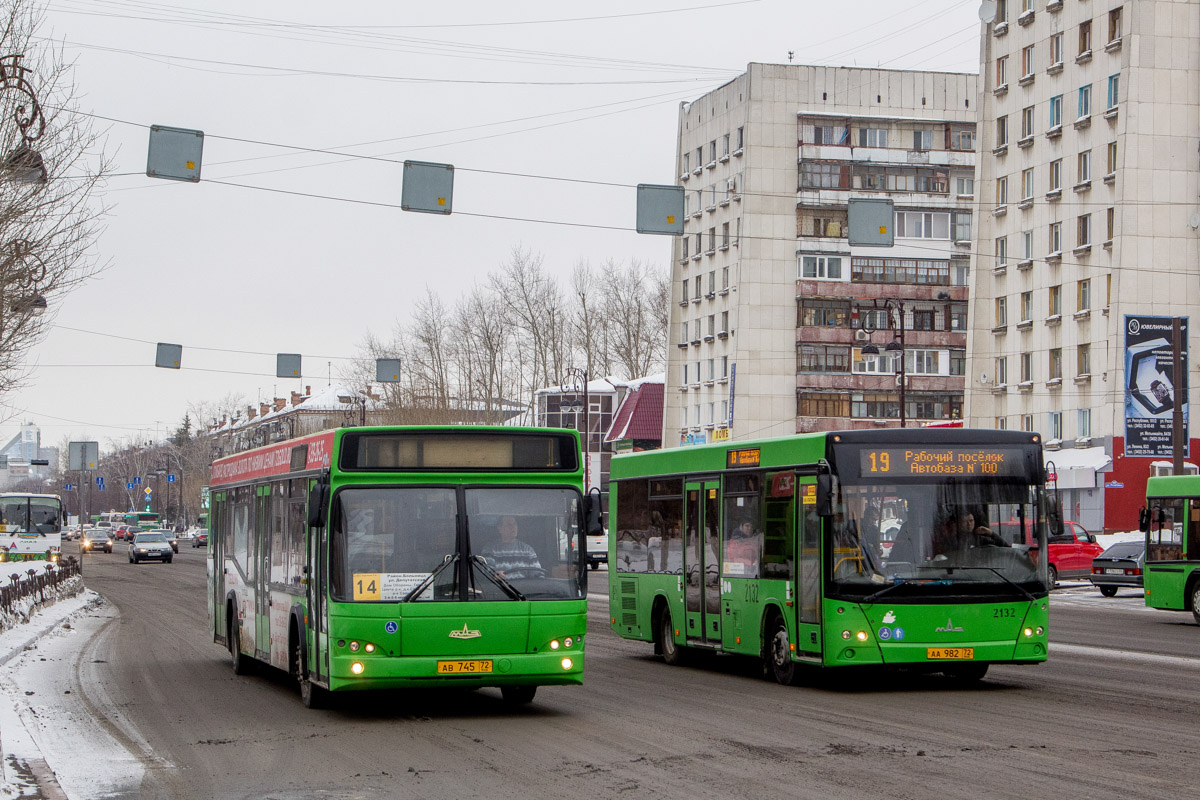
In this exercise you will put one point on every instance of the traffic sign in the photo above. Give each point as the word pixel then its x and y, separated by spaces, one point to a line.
pixel 129 485
pixel 99 480
pixel 148 491
pixel 171 477
pixel 137 481
pixel 69 487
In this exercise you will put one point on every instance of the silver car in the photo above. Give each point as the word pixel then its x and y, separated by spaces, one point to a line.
pixel 150 546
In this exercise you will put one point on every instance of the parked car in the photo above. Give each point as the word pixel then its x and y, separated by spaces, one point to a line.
pixel 96 539
pixel 1069 554
pixel 200 538
pixel 597 550
pixel 169 536
pixel 1120 565
pixel 150 546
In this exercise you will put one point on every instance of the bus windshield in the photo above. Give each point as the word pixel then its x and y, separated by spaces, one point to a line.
pixel 938 539
pixel 401 543
pixel 31 514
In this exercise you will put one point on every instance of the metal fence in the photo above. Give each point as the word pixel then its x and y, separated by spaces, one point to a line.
pixel 35 582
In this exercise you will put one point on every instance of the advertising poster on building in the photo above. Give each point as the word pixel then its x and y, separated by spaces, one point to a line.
pixel 1150 393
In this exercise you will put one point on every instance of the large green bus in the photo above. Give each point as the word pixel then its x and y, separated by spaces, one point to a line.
pixel 390 557
pixel 1172 527
pixel 919 548
pixel 146 520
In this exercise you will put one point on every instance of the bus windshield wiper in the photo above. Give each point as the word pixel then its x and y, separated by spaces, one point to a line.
pixel 497 578
pixel 896 583
pixel 425 584
pixel 999 575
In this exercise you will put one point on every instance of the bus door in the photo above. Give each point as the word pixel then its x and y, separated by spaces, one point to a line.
pixel 318 592
pixel 216 566
pixel 808 575
pixel 262 574
pixel 701 566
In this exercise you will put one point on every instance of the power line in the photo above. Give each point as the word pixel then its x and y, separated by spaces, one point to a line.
pixel 190 347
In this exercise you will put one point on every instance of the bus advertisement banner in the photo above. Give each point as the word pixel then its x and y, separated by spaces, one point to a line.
pixel 1150 393
pixel 274 460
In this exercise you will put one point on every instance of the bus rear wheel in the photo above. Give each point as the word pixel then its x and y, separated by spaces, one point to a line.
pixel 240 662
pixel 671 652
pixel 1196 601
pixel 777 652
pixel 518 695
pixel 966 673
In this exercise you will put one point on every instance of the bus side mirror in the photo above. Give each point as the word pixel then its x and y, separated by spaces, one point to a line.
pixel 318 503
pixel 1144 519
pixel 825 495
pixel 591 513
pixel 1056 521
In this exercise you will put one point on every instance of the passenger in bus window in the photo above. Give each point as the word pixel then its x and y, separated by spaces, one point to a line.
pixel 743 548
pixel 511 557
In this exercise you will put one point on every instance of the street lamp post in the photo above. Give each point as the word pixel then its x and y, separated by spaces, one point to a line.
pixel 895 347
pixel 573 380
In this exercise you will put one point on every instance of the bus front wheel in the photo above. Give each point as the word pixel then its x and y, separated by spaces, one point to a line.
pixel 671 652
pixel 1196 601
pixel 777 652
pixel 241 663
pixel 518 695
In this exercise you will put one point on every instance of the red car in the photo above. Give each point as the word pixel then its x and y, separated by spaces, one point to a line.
pixel 1070 554
pixel 120 532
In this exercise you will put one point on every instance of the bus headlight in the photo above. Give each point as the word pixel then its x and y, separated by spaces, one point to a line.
pixel 356 668
pixel 567 663
pixel 1029 631
pixel 554 644
pixel 861 636
pixel 370 648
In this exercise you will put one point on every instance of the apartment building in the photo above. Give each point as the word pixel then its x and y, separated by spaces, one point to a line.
pixel 771 306
pixel 1089 176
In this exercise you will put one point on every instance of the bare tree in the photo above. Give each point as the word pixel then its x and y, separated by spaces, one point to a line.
pixel 536 310
pixel 50 170
pixel 635 303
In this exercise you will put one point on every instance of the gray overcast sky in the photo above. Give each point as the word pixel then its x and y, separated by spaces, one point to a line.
pixel 552 89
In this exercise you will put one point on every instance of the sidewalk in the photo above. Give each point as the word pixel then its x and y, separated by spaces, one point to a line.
pixel 25 771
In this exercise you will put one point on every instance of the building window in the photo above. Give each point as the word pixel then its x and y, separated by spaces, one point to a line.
pixel 1114 24
pixel 740 135
pixel 1001 190
pixel 725 145
pixel 821 175
pixel 685 282
pixel 685 240
pixel 1114 90
pixel 960 138
pixel 1002 370
pixel 824 358
pixel 712 324
pixel 1055 300
pixel 712 150
pixel 811 133
pixel 962 223
pixel 1027 184
pixel 1085 423
pixel 724 366
pixel 1056 49
pixel 1027 245
pixel 958 362
pixel 922 225
pixel 725 277
pixel 1084 359
pixel 683 414
pixel 922 140
pixel 1026 306
pixel 1056 363
pixel 1110 162
pixel 1026 367
pixel 698 288
pixel 1055 425
pixel 1002 70
pixel 1027 122
pixel 1056 174
pixel 964 187
pixel 1084 231
pixel 711 369
pixel 1110 222
pixel 1085 37
pixel 824 405
pixel 1083 167
pixel 821 267
pixel 1084 294
pixel 824 313
pixel 956 315
pixel 687 160
pixel 1056 104
pixel 830 222
pixel 865 269
pixel 872 137
pixel 1001 312
pixel 725 322
pixel 923 362
pixel 1055 237
pixel 960 272
pixel 922 319
pixel 1027 66
pixel 725 234
pixel 1027 422
pixel 1001 131
pixel 1001 251
pixel 712 248
pixel 1001 424
pixel 1001 11
pixel 712 282
pixel 1085 101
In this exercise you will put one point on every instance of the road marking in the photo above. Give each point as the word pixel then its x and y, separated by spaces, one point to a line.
pixel 1122 655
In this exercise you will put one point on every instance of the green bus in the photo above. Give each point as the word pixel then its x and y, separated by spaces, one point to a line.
pixel 147 520
pixel 395 557
pixel 837 549
pixel 1172 527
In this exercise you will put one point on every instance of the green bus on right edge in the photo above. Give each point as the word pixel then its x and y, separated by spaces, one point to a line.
pixel 916 548
pixel 1172 528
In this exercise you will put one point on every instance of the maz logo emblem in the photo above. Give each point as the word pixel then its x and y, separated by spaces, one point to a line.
pixel 949 628
pixel 470 634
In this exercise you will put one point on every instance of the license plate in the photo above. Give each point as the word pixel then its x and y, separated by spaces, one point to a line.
pixel 949 653
pixel 1114 572
pixel 463 667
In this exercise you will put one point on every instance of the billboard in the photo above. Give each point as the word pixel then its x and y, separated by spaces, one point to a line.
pixel 1150 393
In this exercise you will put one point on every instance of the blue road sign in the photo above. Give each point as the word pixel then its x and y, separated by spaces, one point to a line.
pixel 99 481
pixel 138 480
pixel 70 487
pixel 170 477
pixel 129 485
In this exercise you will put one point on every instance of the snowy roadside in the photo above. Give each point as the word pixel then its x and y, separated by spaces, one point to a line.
pixel 51 746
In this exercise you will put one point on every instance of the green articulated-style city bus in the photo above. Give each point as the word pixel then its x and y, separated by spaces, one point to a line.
pixel 916 548
pixel 1172 572
pixel 390 557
